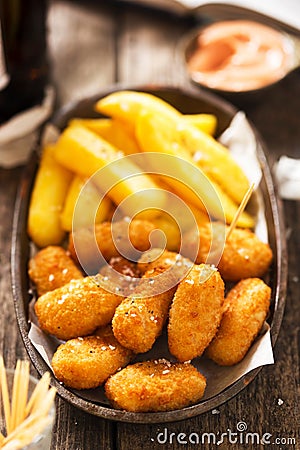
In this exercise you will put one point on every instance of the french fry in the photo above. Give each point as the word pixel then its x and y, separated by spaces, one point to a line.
pixel 171 231
pixel 161 137
pixel 83 152
pixel 114 131
pixel 187 180
pixel 216 161
pixel 128 105
pixel 199 214
pixel 173 227
pixel 89 209
pixel 47 200
pixel 182 136
pixel 204 122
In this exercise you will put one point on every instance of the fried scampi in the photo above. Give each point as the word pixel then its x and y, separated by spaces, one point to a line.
pixel 77 308
pixel 196 312
pixel 87 362
pixel 122 266
pixel 162 259
pixel 93 246
pixel 52 268
pixel 140 318
pixel 155 386
pixel 244 255
pixel 245 310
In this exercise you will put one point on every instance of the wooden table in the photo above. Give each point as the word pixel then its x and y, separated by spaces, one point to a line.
pixel 94 44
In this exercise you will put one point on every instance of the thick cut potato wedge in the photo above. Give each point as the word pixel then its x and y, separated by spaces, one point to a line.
pixel 128 105
pixel 158 134
pixel 82 151
pixel 163 136
pixel 47 200
pixel 170 229
pixel 216 161
pixel 114 131
pixel 204 122
pixel 89 209
pixel 180 133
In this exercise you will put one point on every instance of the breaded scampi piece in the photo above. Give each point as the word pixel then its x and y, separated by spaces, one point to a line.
pixel 122 266
pixel 77 308
pixel 196 312
pixel 86 243
pixel 245 310
pixel 140 318
pixel 87 362
pixel 52 268
pixel 122 275
pixel 162 259
pixel 159 385
pixel 244 254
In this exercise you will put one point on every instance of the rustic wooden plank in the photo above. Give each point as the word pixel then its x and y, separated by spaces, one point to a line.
pixel 148 46
pixel 11 346
pixel 81 48
pixel 77 430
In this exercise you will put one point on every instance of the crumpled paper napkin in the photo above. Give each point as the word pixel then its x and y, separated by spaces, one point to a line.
pixel 19 135
pixel 287 173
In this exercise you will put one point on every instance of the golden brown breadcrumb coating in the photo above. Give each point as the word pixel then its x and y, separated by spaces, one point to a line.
pixel 51 268
pixel 196 312
pixel 85 243
pixel 87 362
pixel 161 259
pixel 122 266
pixel 245 310
pixel 76 309
pixel 140 318
pixel 155 386
pixel 244 254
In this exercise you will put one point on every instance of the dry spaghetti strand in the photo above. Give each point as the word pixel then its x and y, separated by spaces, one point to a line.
pixel 24 419
pixel 5 395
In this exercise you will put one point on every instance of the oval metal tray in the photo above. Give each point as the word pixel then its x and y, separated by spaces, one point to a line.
pixel 188 101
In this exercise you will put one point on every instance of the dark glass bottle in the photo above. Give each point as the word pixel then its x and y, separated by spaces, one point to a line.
pixel 23 55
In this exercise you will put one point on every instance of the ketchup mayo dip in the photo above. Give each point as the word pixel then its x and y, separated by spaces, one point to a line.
pixel 240 55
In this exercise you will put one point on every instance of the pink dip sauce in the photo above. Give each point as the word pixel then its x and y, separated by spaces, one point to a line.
pixel 240 55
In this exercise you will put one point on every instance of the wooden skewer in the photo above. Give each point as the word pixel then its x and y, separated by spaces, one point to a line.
pixel 240 210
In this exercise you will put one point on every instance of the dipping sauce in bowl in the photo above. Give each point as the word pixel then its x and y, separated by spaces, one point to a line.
pixel 239 55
